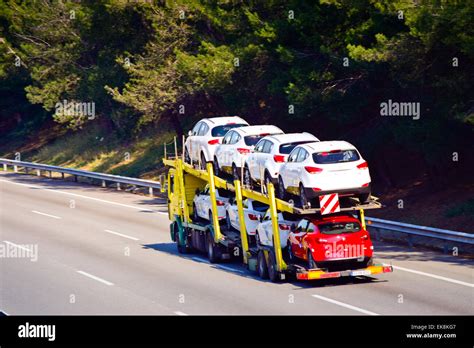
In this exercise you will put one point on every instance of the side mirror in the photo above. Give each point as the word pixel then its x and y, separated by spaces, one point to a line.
pixel 198 192
pixel 190 133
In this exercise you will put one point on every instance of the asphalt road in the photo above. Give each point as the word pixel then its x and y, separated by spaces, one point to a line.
pixel 101 251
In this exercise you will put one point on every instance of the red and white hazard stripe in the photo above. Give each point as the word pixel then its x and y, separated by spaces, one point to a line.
pixel 329 203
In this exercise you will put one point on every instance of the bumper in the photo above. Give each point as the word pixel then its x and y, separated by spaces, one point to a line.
pixel 319 274
pixel 345 192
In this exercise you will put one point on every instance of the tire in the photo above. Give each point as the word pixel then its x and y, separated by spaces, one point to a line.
pixel 303 198
pixel 227 221
pixel 281 189
pixel 211 249
pixel 273 274
pixel 187 158
pixel 203 161
pixel 181 249
pixel 368 262
pixel 364 198
pixel 262 269
pixel 235 172
pixel 215 164
pixel 311 263
pixel 267 179
pixel 195 214
pixel 248 178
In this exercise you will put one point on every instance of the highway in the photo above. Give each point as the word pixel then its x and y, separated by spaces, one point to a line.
pixel 102 251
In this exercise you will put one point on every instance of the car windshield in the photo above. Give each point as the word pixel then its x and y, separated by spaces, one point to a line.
pixel 220 131
pixel 287 148
pixel 339 227
pixel 338 156
pixel 261 207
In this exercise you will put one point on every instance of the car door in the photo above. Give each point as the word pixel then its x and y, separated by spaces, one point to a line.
pixel 202 139
pixel 265 156
pixel 296 238
pixel 221 150
pixel 289 172
pixel 298 168
pixel 193 140
pixel 253 161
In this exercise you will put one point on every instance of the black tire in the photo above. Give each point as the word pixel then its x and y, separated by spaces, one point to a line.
pixel 364 198
pixel 235 172
pixel 311 263
pixel 248 178
pixel 262 269
pixel 227 221
pixel 215 164
pixel 266 180
pixel 187 158
pixel 203 161
pixel 273 274
pixel 368 262
pixel 181 249
pixel 195 214
pixel 212 252
pixel 303 198
pixel 281 189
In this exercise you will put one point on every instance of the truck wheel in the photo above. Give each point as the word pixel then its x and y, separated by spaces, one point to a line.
pixel 211 249
pixel 273 274
pixel 203 161
pixel 262 265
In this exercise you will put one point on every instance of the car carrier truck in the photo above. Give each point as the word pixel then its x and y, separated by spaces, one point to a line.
pixel 219 243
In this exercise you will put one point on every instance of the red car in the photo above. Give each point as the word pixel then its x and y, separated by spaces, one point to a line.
pixel 325 242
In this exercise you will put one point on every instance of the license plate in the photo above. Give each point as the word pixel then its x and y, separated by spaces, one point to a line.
pixel 360 273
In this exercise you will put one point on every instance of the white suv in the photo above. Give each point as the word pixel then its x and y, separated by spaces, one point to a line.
pixel 270 154
pixel 206 135
pixel 253 211
pixel 265 229
pixel 236 145
pixel 202 207
pixel 319 168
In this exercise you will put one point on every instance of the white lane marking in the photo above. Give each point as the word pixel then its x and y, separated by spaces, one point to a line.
pixel 16 245
pixel 180 313
pixel 51 216
pixel 342 304
pixel 106 282
pixel 229 269
pixel 121 235
pixel 434 276
pixel 82 196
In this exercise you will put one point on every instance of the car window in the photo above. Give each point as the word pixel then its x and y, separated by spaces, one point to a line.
pixel 302 225
pixel 293 155
pixel 245 203
pixel 339 227
pixel 204 129
pixel 260 145
pixel 337 156
pixel 302 155
pixel 261 207
pixel 310 228
pixel 287 148
pixel 235 138
pixel 220 131
pixel 267 147
pixel 196 128
pixel 227 137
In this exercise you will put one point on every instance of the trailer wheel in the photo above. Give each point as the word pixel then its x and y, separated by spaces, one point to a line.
pixel 262 269
pixel 273 274
pixel 211 249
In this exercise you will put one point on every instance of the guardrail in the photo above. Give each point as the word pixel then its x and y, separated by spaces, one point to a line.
pixel 150 184
pixel 415 234
pixel 378 226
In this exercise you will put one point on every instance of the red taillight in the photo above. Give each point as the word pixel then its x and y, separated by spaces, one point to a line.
pixel 363 165
pixel 220 203
pixel 334 151
pixel 253 217
pixel 213 142
pixel 279 158
pixel 313 170
pixel 243 151
pixel 264 134
pixel 316 189
pixel 365 185
pixel 284 227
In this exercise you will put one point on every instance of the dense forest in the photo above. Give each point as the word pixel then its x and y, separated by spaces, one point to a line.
pixel 322 66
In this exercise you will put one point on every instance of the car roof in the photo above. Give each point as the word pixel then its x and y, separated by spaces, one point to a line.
pixel 328 146
pixel 256 130
pixel 292 137
pixel 219 121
